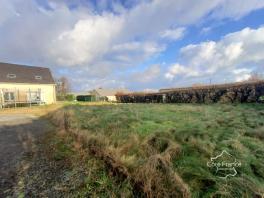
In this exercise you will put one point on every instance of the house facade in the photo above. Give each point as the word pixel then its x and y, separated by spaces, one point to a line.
pixel 21 84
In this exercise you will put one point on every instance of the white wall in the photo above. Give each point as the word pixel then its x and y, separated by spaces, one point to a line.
pixel 48 90
pixel 111 98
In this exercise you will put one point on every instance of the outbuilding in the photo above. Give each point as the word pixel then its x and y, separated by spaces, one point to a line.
pixel 107 94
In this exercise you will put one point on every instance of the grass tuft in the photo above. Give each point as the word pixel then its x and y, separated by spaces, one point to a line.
pixel 162 150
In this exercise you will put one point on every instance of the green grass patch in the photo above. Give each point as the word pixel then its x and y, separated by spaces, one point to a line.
pixel 201 131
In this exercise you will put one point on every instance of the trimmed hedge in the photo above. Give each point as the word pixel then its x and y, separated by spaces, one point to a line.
pixel 225 93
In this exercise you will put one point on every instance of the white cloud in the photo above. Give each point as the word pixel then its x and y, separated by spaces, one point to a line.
pixel 94 37
pixel 97 83
pixel 242 77
pixel 6 10
pixel 158 15
pixel 242 74
pixel 237 9
pixel 81 36
pixel 206 30
pixel 234 51
pixel 89 39
pixel 148 75
pixel 173 34
pixel 242 71
pixel 178 69
pixel 134 52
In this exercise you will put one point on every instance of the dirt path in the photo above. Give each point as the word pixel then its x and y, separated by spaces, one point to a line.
pixel 18 134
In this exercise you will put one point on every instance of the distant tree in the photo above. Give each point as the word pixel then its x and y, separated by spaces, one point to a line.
pixel 254 76
pixel 197 85
pixel 62 87
pixel 70 97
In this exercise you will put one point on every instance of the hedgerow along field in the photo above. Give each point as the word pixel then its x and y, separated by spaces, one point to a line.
pixel 162 150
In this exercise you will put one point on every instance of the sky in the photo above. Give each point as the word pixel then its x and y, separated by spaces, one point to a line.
pixel 141 45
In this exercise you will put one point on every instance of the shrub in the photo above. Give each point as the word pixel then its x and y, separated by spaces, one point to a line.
pixel 261 98
pixel 70 97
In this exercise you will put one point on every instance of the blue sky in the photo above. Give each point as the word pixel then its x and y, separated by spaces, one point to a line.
pixel 136 44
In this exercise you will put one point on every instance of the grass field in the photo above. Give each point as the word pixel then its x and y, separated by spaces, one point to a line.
pixel 162 150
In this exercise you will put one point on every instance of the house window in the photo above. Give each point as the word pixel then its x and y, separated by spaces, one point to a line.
pixel 38 77
pixel 11 75
pixel 9 96
pixel 34 96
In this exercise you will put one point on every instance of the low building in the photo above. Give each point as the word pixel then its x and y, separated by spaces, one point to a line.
pixel 21 84
pixel 107 94
pixel 84 96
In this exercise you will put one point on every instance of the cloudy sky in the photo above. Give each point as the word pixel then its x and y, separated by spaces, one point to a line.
pixel 137 44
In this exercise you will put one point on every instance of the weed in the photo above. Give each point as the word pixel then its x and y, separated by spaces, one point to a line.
pixel 163 149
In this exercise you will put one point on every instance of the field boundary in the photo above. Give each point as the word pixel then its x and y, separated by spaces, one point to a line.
pixel 246 92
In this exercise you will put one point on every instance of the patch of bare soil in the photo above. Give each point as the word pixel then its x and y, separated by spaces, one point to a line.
pixel 41 172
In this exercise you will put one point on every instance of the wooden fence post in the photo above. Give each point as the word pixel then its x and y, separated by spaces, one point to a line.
pixel 29 97
pixel 1 98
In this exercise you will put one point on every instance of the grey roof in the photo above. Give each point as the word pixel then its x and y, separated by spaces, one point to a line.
pixel 110 92
pixel 25 74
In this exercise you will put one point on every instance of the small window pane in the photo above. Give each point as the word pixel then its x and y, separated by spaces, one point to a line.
pixel 6 96
pixel 38 77
pixel 9 96
pixel 12 96
pixel 34 96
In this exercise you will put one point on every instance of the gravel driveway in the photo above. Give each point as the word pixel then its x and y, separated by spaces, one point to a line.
pixel 18 133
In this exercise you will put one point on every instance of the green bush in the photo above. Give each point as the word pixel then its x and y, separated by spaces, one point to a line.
pixel 60 98
pixel 86 98
pixel 70 97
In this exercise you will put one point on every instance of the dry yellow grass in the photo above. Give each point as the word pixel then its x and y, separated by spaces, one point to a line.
pixel 35 110
pixel 45 109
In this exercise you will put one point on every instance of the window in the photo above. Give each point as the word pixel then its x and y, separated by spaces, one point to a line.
pixel 34 96
pixel 38 77
pixel 9 96
pixel 11 75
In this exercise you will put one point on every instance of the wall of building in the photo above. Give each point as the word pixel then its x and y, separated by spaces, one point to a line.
pixel 48 90
pixel 111 98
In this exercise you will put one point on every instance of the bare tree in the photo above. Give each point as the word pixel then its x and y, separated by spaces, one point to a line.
pixel 62 86
pixel 255 76
pixel 198 85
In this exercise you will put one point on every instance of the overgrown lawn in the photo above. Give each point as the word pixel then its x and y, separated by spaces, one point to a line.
pixel 166 147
